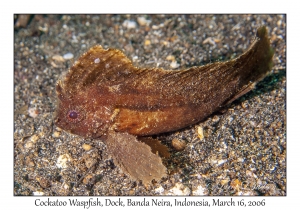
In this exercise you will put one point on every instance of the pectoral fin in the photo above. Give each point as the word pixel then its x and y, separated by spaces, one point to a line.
pixel 135 158
pixel 156 146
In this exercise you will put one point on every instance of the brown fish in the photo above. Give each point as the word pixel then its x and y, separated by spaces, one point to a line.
pixel 104 95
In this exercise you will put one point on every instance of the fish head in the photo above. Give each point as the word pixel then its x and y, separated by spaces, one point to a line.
pixel 80 114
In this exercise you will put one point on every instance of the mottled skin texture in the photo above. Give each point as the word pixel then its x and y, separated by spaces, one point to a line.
pixel 104 93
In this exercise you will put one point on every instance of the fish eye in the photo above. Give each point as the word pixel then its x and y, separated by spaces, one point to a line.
pixel 73 116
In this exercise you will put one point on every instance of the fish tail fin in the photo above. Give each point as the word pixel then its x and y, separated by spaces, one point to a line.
pixel 258 59
pixel 253 65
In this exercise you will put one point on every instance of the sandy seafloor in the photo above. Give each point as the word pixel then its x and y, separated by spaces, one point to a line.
pixel 243 151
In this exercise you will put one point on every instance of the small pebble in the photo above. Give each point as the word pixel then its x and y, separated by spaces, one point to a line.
pixel 58 58
pixel 135 58
pixel 28 145
pixel 41 134
pixel 131 192
pixel 170 58
pixel 174 65
pixel 89 162
pixel 44 29
pixel 155 27
pixel 129 24
pixel 68 56
pixel 62 161
pixel 236 183
pixel 220 162
pixel 199 190
pixel 200 133
pixel 224 181
pixel 147 42
pixel 209 40
pixel 43 182
pixel 33 112
pixel 29 162
pixel 178 144
pixel 215 118
pixel 250 174
pixel 38 193
pixel 179 189
pixel 86 147
pixel 87 179
pixel 66 186
pixel 54 64
pixel 34 138
pixel 56 134
pixel 159 190
pixel 143 21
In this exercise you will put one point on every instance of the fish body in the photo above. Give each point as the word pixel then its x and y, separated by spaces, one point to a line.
pixel 103 94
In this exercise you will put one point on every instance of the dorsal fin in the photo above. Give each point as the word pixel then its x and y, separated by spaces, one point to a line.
pixel 93 64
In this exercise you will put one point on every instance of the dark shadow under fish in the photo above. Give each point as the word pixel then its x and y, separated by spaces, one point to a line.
pixel 104 95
